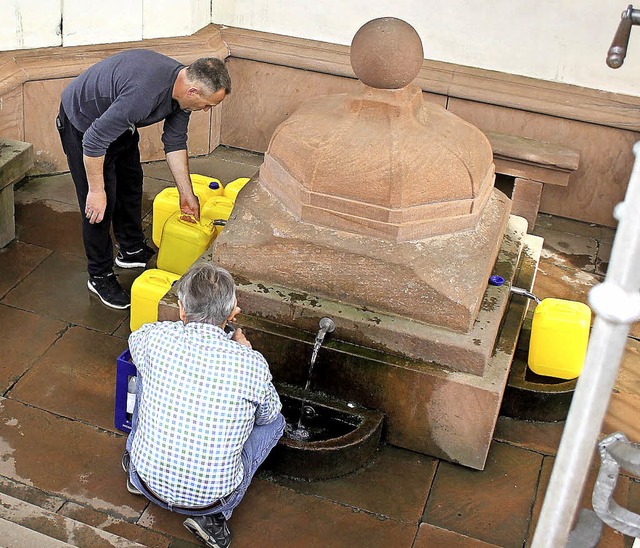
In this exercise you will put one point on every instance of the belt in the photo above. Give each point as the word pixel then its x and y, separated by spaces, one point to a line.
pixel 209 506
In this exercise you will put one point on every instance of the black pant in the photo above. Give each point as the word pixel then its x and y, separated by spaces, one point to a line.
pixel 123 186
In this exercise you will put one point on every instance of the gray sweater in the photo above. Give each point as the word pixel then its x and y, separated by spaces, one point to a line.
pixel 128 90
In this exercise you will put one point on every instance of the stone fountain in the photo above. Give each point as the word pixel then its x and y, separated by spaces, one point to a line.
pixel 377 209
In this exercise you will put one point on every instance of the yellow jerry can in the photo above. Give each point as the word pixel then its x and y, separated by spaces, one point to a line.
pixel 231 189
pixel 217 208
pixel 167 201
pixel 146 292
pixel 183 242
pixel 559 338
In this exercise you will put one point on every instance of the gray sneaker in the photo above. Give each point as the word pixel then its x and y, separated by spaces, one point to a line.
pixel 212 530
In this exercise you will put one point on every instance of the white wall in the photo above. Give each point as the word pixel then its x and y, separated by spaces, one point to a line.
pixel 37 23
pixel 556 40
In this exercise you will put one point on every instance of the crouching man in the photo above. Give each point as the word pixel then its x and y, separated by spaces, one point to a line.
pixel 207 414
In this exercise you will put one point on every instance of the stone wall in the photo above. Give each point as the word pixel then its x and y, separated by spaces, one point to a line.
pixel 273 74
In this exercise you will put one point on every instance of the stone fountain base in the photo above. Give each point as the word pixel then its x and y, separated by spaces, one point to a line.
pixel 423 299
pixel 430 408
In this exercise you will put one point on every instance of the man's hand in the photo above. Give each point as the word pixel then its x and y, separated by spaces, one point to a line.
pixel 189 206
pixel 96 202
pixel 239 337
pixel 95 206
pixel 178 162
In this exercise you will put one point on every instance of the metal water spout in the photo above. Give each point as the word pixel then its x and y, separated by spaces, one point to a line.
pixel 327 325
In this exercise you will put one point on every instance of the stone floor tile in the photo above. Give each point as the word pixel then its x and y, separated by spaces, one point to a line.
pixel 16 261
pixel 569 250
pixel 396 484
pixel 58 288
pixel 272 515
pixel 75 378
pixel 545 222
pixel 603 256
pixel 622 415
pixel 464 500
pixel 25 337
pixel 30 494
pixel 430 536
pixel 609 538
pixel 634 495
pixel 54 225
pixel 223 170
pixel 170 523
pixel 225 165
pixel 238 156
pixel 628 380
pixel 562 283
pixel 124 330
pixel 58 188
pixel 65 458
pixel 119 527
pixel 542 437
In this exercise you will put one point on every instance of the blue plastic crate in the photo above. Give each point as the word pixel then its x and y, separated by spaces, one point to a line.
pixel 124 369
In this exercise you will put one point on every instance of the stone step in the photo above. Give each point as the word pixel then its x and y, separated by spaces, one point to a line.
pixel 35 526
pixel 14 535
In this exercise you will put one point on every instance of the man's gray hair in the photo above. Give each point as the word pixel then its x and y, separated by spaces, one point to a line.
pixel 207 293
pixel 211 73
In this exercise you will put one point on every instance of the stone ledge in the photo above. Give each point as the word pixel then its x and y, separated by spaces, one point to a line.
pixel 533 159
pixel 16 158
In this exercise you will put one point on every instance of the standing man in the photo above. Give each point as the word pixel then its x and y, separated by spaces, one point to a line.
pixel 98 120
pixel 206 415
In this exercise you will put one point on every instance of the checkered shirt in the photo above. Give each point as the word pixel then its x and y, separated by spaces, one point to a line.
pixel 201 395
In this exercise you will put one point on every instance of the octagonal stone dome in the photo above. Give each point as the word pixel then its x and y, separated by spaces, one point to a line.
pixel 381 161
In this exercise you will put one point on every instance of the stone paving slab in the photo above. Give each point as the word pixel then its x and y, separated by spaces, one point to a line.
pixel 430 536
pixel 543 437
pixel 65 458
pixel 569 250
pixel 396 485
pixel 75 378
pixel 464 501
pixel 563 283
pixel 58 288
pixel 610 538
pixel 272 515
pixel 25 337
pixel 59 188
pixel 50 224
pixel 16 261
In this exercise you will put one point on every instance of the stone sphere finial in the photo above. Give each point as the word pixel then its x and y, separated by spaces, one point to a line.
pixel 386 53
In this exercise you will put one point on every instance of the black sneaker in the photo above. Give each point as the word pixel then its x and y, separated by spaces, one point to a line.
pixel 212 530
pixel 109 290
pixel 135 259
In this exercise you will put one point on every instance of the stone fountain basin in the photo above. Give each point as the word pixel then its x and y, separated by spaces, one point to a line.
pixel 349 436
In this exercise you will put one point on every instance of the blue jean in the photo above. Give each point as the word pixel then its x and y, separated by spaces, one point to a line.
pixel 260 442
